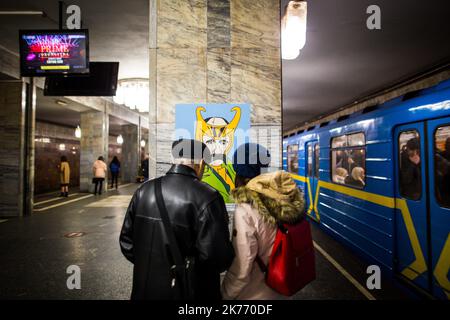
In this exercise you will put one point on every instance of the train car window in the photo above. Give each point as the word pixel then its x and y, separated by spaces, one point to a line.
pixel 410 165
pixel 338 142
pixel 442 165
pixel 292 158
pixel 316 156
pixel 310 160
pixel 356 139
pixel 348 160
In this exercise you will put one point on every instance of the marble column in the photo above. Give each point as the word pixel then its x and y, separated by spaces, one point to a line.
pixel 214 51
pixel 17 116
pixel 130 153
pixel 93 143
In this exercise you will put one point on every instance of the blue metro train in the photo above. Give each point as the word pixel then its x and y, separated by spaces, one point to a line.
pixel 379 181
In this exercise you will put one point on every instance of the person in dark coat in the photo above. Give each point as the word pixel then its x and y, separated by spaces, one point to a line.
pixel 144 167
pixel 446 152
pixel 410 169
pixel 442 161
pixel 200 222
pixel 114 168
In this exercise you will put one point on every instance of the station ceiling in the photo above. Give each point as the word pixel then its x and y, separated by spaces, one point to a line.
pixel 344 61
pixel 341 62
pixel 118 30
pixel 50 109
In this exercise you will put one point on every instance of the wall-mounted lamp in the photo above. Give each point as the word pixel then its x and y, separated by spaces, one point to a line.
pixel 119 139
pixel 61 102
pixel 142 143
pixel 293 29
pixel 62 147
pixel 78 132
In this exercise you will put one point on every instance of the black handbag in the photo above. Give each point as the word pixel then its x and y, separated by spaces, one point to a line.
pixel 182 272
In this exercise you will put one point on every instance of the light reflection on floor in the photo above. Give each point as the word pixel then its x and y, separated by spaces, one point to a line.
pixel 118 201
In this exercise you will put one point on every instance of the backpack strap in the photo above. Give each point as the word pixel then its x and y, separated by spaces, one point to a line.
pixel 176 254
pixel 281 227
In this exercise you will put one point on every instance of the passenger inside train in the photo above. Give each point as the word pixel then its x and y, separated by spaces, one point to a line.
pixel 348 159
pixel 293 158
pixel 410 173
pixel 357 178
pixel 443 172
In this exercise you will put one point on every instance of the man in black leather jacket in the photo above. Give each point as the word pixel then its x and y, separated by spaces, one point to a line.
pixel 200 222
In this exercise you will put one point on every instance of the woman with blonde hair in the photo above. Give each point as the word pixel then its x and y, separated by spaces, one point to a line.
pixel 341 174
pixel 357 178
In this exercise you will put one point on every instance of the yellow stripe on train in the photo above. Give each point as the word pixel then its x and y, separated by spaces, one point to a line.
pixel 418 266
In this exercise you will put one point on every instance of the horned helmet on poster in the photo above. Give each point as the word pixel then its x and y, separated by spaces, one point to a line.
pixel 222 128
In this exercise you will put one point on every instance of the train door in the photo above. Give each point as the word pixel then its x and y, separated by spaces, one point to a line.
pixel 312 170
pixel 423 219
pixel 438 132
pixel 411 224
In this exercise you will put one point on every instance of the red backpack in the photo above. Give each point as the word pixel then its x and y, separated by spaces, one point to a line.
pixel 292 263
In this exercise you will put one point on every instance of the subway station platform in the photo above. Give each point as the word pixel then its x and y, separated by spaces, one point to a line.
pixel 84 229
pixel 338 93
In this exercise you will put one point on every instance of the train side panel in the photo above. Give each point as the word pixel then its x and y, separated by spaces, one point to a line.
pixel 374 220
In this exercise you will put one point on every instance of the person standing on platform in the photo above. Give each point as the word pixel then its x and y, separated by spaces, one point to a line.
pixel 262 201
pixel 114 168
pixel 144 167
pixel 99 169
pixel 176 232
pixel 64 173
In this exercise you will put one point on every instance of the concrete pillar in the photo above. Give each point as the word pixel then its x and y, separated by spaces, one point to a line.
pixel 17 116
pixel 214 51
pixel 93 143
pixel 130 152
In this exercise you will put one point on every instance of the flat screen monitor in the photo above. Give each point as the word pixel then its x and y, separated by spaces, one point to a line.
pixel 53 52
pixel 101 81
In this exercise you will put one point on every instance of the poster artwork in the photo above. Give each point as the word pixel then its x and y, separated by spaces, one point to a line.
pixel 223 128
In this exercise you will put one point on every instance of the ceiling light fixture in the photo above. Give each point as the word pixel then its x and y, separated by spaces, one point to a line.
pixel 133 93
pixel 293 29
pixel 119 139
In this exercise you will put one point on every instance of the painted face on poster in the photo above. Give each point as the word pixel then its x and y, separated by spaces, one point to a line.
pixel 222 128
